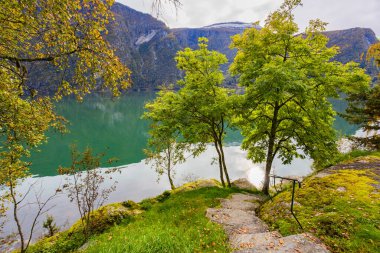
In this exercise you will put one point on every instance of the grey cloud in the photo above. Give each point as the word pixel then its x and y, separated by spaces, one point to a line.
pixel 340 14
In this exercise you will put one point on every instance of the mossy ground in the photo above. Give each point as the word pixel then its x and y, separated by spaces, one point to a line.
pixel 341 208
pixel 73 238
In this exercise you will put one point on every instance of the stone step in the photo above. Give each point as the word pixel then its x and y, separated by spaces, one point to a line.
pixel 251 240
pixel 249 234
pixel 233 217
pixel 245 197
pixel 301 243
pixel 242 205
pixel 258 227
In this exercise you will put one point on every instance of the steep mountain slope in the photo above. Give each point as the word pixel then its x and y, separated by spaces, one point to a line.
pixel 353 44
pixel 148 47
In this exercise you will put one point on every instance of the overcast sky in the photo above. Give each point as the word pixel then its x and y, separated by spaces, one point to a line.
pixel 340 14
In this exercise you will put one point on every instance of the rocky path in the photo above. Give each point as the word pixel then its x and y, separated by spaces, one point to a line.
pixel 248 234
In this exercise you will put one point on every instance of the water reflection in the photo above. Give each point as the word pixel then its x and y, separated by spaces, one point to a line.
pixel 138 181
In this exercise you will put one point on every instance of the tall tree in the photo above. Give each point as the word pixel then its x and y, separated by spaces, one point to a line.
pixel 205 104
pixel 364 108
pixel 65 34
pixel 201 110
pixel 288 78
pixel 166 148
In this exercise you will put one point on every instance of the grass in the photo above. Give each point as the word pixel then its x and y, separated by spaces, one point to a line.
pixel 342 209
pixel 171 222
pixel 177 223
pixel 73 238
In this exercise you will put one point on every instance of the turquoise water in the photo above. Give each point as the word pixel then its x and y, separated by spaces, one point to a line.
pixel 107 125
pixel 113 126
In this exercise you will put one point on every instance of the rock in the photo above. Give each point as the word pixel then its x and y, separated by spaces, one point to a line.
pixel 202 183
pixel 85 246
pixel 341 189
pixel 243 183
pixel 304 243
pixel 244 241
pixel 247 206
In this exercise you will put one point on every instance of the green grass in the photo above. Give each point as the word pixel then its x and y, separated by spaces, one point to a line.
pixel 176 224
pixel 73 238
pixel 171 222
pixel 347 220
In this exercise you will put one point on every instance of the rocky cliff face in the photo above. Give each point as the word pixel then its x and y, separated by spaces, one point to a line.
pixel 353 44
pixel 148 47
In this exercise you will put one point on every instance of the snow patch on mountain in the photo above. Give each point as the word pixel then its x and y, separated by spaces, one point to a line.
pixel 146 38
pixel 231 25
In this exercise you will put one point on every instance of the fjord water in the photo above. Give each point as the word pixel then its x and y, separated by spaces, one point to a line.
pixel 112 126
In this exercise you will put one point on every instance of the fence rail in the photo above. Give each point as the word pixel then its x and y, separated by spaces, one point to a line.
pixel 293 190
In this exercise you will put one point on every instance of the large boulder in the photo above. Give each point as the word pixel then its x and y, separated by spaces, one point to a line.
pixel 202 183
pixel 243 183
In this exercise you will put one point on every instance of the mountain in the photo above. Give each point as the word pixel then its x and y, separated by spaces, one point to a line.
pixel 148 47
pixel 353 44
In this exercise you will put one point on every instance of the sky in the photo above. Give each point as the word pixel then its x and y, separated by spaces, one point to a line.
pixel 340 14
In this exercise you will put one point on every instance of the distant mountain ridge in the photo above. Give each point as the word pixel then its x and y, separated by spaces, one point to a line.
pixel 148 47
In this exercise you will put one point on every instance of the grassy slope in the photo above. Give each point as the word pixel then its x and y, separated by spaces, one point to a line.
pixel 341 208
pixel 172 222
pixel 178 224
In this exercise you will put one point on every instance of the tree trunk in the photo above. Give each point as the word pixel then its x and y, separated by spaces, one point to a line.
pixel 170 168
pixel 220 163
pixel 268 166
pixel 15 217
pixel 224 163
pixel 170 179
pixel 270 153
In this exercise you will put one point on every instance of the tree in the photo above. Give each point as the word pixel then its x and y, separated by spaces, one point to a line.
pixel 204 103
pixel 374 53
pixel 201 110
pixel 50 226
pixel 18 201
pixel 289 78
pixel 65 34
pixel 364 108
pixel 84 186
pixel 165 148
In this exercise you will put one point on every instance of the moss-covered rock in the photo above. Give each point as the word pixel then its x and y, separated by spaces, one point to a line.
pixel 244 184
pixel 198 184
pixel 131 204
pixel 341 207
